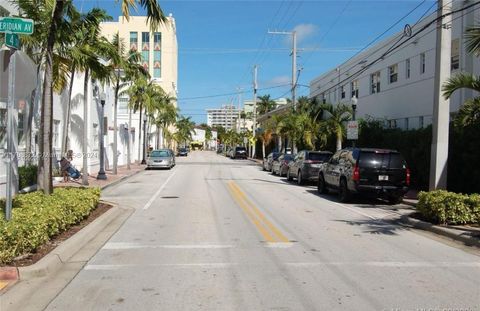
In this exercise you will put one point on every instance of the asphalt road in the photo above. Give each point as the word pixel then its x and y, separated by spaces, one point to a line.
pixel 220 234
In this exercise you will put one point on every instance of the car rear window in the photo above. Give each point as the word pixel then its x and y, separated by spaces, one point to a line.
pixel 160 153
pixel 240 149
pixel 288 157
pixel 314 156
pixel 376 160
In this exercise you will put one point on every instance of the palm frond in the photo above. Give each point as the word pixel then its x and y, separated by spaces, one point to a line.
pixel 460 81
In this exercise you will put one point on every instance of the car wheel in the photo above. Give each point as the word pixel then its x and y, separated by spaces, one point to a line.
pixel 344 193
pixel 300 180
pixel 263 167
pixel 322 189
pixel 289 178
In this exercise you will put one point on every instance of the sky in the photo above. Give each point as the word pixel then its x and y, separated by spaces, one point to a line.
pixel 220 41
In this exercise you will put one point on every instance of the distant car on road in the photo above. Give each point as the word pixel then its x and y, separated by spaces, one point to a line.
pixel 367 171
pixel 161 158
pixel 182 152
pixel 280 165
pixel 306 164
pixel 268 160
pixel 239 152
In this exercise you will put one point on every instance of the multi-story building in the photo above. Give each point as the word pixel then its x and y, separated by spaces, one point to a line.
pixel 398 86
pixel 225 117
pixel 159 54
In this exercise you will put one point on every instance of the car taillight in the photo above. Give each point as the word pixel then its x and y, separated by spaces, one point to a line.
pixel 356 173
pixel 407 180
pixel 285 162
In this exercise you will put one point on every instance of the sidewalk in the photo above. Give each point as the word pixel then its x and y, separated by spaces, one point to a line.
pixel 122 173
pixel 10 275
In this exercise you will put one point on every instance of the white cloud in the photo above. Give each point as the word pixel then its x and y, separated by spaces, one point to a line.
pixel 303 32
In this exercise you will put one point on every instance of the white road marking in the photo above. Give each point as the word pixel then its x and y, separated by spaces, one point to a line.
pixel 373 264
pixel 126 245
pixel 170 265
pixel 158 191
pixel 355 211
pixel 400 264
pixel 279 245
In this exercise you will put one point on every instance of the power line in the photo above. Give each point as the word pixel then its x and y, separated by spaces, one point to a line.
pixel 394 48
pixel 233 93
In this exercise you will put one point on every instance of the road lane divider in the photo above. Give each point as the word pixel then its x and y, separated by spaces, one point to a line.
pixel 154 197
pixel 268 230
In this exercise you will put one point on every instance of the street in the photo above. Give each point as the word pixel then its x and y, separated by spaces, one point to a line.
pixel 220 234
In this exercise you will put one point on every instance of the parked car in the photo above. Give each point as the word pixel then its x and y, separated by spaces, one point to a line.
pixel 220 149
pixel 268 160
pixel 161 158
pixel 182 152
pixel 306 164
pixel 239 152
pixel 173 156
pixel 280 165
pixel 367 171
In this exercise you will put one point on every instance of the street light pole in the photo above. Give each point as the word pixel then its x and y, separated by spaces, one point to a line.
pixel 101 173
pixel 354 110
pixel 254 109
pixel 144 139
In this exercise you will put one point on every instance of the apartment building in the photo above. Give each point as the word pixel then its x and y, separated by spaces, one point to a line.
pixel 398 87
pixel 224 116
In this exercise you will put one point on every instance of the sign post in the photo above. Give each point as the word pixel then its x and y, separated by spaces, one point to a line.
pixel 12 26
pixel 352 130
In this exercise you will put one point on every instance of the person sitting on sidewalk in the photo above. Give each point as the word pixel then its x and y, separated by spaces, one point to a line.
pixel 67 169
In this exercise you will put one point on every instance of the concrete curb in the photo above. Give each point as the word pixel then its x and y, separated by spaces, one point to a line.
pixel 116 182
pixel 60 255
pixel 445 232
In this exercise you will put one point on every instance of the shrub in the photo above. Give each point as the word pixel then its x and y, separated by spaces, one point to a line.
pixel 27 176
pixel 443 207
pixel 37 217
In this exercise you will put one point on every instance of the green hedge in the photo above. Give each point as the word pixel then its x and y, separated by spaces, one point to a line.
pixel 443 207
pixel 37 217
pixel 27 176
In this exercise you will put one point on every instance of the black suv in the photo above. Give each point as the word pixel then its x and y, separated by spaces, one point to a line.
pixel 374 172
pixel 239 153
pixel 306 164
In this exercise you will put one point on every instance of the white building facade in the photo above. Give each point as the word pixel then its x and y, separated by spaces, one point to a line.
pixel 398 87
pixel 225 117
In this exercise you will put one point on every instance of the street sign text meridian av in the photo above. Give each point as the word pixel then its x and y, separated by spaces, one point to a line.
pixel 17 25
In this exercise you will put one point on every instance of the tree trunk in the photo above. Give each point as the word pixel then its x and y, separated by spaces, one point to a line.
pixel 140 135
pixel 85 129
pixel 45 159
pixel 115 125
pixel 28 129
pixel 128 136
pixel 263 148
pixel 280 143
pixel 339 140
pixel 66 124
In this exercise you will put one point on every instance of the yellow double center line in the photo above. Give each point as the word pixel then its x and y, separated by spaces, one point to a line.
pixel 268 230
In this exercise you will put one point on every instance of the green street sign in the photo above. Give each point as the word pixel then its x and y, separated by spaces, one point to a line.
pixel 12 40
pixel 22 26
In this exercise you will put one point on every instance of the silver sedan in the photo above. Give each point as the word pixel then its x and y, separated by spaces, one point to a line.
pixel 162 158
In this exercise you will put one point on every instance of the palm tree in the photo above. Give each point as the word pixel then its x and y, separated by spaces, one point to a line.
pixel 265 104
pixel 166 115
pixel 184 129
pixel 469 113
pixel 334 122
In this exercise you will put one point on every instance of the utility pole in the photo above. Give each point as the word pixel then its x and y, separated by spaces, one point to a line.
pixel 254 109
pixel 239 90
pixel 441 106
pixel 294 61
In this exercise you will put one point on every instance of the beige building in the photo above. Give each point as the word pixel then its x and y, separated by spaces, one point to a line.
pixel 159 53
pixel 158 49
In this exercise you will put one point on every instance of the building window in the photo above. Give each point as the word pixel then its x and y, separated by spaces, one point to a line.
pixel 407 68
pixel 157 55
pixel 354 87
pixel 20 127
pixel 342 91
pixel 393 73
pixel 455 58
pixel 133 41
pixel 420 121
pixel 145 50
pixel 56 130
pixel 422 63
pixel 123 105
pixel 375 82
